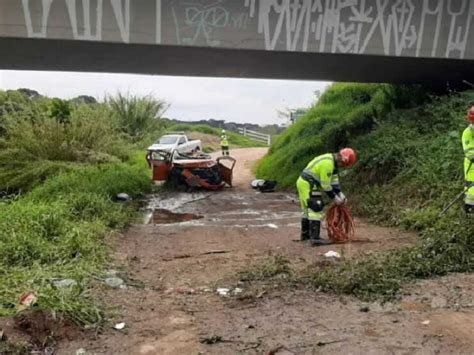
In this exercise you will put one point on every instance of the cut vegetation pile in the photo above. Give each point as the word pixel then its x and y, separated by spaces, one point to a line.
pixel 410 166
pixel 61 165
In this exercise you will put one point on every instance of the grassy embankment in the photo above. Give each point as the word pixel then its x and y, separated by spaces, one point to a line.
pixel 61 164
pixel 410 166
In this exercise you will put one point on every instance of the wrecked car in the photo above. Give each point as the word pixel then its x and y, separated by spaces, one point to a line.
pixel 191 171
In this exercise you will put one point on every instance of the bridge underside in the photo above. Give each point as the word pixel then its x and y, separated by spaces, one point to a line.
pixel 83 56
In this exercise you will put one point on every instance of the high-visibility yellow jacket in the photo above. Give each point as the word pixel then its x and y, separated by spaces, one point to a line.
pixel 468 146
pixel 468 142
pixel 224 141
pixel 322 172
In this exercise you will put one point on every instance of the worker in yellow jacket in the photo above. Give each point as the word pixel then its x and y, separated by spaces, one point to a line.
pixel 224 143
pixel 468 146
pixel 321 175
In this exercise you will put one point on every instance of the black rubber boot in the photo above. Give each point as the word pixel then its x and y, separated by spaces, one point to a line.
pixel 304 229
pixel 314 234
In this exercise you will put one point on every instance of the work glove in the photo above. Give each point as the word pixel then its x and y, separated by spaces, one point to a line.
pixel 340 199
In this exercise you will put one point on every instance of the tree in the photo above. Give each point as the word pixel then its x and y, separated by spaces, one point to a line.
pixel 31 94
pixel 84 99
pixel 60 110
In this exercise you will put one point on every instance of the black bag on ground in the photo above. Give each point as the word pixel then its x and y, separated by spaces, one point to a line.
pixel 268 186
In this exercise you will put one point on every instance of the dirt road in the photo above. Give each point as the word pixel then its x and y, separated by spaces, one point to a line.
pixel 174 269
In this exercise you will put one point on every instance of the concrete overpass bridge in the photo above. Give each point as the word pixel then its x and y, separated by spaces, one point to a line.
pixel 404 41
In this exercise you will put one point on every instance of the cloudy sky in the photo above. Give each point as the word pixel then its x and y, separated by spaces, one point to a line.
pixel 237 100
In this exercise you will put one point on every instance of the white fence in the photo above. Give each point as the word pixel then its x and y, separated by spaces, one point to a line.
pixel 256 136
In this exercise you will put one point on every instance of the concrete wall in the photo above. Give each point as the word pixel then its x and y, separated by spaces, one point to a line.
pixel 400 28
pixel 399 41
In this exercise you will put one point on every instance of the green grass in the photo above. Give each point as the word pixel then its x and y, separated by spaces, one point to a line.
pixel 59 231
pixel 345 111
pixel 132 177
pixel 61 166
pixel 235 140
pixel 21 348
pixel 446 247
pixel 40 138
pixel 271 267
pixel 410 166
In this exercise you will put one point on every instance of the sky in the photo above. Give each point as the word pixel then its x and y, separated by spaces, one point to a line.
pixel 190 99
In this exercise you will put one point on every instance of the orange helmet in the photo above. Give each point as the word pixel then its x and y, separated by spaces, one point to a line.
pixel 348 157
pixel 470 115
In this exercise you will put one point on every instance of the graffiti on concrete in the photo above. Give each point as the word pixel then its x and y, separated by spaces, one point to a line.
pixel 46 6
pixel 195 21
pixel 88 30
pixel 87 33
pixel 414 28
pixel 200 20
pixel 401 27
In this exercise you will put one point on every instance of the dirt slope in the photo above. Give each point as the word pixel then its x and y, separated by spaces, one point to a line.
pixel 171 305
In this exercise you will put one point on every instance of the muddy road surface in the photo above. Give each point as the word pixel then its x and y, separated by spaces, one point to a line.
pixel 184 294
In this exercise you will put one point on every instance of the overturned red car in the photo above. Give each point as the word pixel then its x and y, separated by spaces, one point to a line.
pixel 196 170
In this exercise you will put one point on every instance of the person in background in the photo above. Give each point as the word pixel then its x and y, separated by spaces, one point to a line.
pixel 468 146
pixel 224 143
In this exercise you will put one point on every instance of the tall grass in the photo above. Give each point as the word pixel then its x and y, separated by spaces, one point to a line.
pixel 138 117
pixel 44 137
pixel 69 161
pixel 58 231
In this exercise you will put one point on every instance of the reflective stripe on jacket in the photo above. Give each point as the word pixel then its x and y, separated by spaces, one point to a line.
pixel 322 172
pixel 468 142
pixel 468 146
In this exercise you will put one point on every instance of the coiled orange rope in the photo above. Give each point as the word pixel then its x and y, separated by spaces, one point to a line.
pixel 340 224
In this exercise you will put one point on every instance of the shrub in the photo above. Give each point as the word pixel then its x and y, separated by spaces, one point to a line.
pixel 138 117
pixel 42 138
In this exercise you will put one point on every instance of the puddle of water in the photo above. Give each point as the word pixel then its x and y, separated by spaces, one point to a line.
pixel 175 201
pixel 238 212
pixel 270 216
pixel 162 216
pixel 163 210
pixel 207 224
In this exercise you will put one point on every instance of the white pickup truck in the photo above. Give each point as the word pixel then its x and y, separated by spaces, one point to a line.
pixel 176 142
